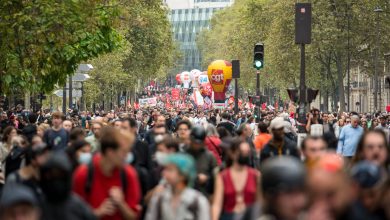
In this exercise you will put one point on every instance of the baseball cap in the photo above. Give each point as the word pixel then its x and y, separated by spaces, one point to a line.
pixel 14 194
pixel 277 123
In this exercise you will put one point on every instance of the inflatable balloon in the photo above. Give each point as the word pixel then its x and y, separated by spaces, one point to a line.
pixel 178 79
pixel 220 75
pixel 194 75
pixel 203 79
pixel 185 79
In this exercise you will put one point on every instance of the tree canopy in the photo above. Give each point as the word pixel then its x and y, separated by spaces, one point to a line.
pixel 42 41
pixel 235 30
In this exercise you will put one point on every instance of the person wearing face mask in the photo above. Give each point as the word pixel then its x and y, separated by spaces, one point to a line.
pixel 56 184
pixel 205 161
pixel 166 147
pixel 79 152
pixel 109 184
pixel 279 144
pixel 236 187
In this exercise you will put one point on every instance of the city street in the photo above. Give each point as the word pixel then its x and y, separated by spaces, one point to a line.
pixel 195 110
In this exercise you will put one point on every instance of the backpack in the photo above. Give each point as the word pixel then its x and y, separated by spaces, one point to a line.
pixel 88 184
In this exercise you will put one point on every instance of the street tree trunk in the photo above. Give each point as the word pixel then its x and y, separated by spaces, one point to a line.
pixel 340 82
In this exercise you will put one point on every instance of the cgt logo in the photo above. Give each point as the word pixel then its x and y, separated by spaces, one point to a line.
pixel 217 77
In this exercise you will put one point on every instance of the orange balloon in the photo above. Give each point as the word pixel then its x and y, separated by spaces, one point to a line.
pixel 220 75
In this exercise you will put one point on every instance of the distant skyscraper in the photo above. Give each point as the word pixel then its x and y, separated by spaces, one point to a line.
pixel 188 18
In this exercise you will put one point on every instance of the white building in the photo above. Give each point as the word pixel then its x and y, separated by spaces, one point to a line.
pixel 189 18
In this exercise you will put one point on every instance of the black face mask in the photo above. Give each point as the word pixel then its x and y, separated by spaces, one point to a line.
pixel 243 160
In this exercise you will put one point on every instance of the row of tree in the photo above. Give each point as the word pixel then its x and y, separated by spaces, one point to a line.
pixel 338 28
pixel 42 42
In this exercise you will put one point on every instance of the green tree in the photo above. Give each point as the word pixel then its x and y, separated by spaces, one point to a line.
pixel 42 41
pixel 235 30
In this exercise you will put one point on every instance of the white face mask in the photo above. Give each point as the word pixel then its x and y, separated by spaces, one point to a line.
pixel 129 158
pixel 158 138
pixel 160 157
pixel 85 158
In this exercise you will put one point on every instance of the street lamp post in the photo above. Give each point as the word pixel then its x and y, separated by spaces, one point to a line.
pixel 348 63
pixel 377 10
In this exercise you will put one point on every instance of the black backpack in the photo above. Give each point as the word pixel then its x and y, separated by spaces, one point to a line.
pixel 88 184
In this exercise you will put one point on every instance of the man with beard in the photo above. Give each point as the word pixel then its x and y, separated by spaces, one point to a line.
pixel 279 144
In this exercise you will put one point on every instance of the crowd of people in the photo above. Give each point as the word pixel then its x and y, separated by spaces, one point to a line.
pixel 189 164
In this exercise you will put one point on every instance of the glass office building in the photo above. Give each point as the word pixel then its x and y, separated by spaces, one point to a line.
pixel 187 23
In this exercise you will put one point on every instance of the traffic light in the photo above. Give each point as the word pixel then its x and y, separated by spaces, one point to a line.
pixel 258 58
pixel 311 94
pixel 293 94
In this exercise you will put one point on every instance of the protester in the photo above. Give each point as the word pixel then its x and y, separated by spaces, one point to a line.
pixel 373 146
pixel 230 126
pixel 313 119
pixel 262 138
pixel 29 175
pixel 79 152
pixel 42 128
pixel 106 184
pixel 61 203
pixel 204 161
pixel 19 202
pixel 279 144
pixel 183 129
pixel 330 191
pixel 179 201
pixel 5 147
pixel 56 137
pixel 349 138
pixel 284 188
pixel 368 179
pixel 212 143
pixel 236 187
pixel 93 139
pixel 67 125
pixel 30 129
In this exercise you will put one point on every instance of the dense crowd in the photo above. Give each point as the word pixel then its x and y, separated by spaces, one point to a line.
pixel 159 164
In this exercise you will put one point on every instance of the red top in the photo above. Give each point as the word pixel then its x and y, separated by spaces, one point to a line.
pixel 212 143
pixel 230 194
pixel 101 185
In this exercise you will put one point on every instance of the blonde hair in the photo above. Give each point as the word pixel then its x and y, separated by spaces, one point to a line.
pixel 43 127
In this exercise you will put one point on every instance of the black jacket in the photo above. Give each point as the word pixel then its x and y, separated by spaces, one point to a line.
pixel 288 148
pixel 205 164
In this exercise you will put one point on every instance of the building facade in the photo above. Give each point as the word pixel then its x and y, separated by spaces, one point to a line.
pixel 362 88
pixel 188 19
